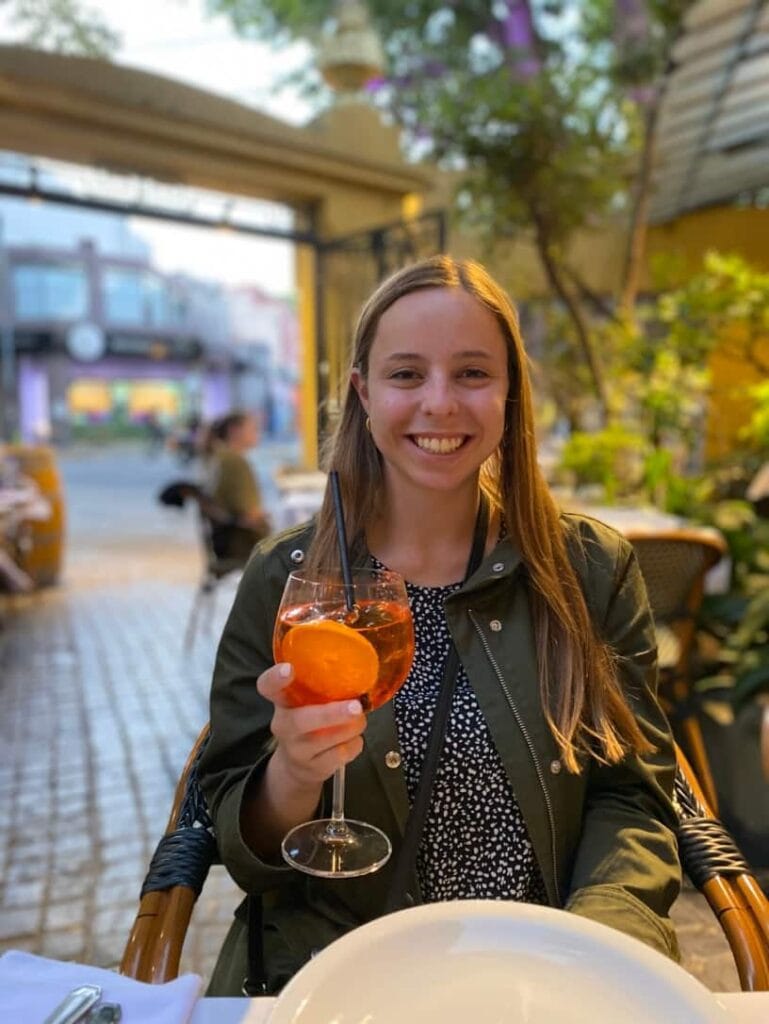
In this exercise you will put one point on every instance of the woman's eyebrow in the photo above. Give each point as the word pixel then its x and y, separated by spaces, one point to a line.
pixel 398 356
pixel 470 353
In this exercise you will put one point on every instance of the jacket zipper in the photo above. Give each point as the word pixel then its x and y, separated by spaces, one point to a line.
pixel 525 733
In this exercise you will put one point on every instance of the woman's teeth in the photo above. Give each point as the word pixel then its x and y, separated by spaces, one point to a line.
pixel 439 445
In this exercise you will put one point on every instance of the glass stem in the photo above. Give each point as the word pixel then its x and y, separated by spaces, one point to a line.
pixel 336 829
pixel 337 800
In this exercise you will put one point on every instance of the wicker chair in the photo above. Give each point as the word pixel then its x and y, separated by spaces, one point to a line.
pixel 674 565
pixel 717 868
pixel 178 869
pixel 215 568
pixel 188 849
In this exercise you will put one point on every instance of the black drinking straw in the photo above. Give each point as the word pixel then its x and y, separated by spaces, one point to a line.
pixel 341 535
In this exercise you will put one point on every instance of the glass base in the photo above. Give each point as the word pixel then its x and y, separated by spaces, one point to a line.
pixel 336 849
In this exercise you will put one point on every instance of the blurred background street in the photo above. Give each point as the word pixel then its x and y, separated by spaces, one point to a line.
pixel 98 709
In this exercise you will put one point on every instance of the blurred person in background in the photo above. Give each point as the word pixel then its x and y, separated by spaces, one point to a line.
pixel 230 481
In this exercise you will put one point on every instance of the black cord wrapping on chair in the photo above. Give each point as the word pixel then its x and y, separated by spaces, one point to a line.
pixel 184 856
pixel 706 848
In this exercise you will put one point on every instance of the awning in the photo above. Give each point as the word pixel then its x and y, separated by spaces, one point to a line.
pixel 713 130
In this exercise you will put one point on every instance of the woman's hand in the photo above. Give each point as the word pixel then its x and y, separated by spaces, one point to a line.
pixel 315 740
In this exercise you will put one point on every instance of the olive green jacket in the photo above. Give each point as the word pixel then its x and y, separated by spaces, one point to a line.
pixel 604 839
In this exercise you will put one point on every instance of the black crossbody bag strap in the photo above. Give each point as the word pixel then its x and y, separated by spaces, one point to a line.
pixel 255 981
pixel 404 865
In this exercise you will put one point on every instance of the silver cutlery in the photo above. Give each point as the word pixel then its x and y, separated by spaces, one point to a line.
pixel 75 1005
pixel 105 1013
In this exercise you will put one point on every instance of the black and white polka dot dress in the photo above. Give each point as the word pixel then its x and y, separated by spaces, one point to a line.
pixel 475 843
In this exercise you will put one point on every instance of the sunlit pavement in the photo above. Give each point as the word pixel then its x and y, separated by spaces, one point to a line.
pixel 99 705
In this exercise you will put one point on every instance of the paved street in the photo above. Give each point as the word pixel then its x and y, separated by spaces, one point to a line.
pixel 99 705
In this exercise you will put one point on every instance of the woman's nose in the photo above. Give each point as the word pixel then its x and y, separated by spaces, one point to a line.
pixel 439 398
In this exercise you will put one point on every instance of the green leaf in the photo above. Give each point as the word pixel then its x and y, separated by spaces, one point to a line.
pixel 750 684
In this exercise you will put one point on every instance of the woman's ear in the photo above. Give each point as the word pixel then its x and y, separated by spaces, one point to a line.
pixel 358 381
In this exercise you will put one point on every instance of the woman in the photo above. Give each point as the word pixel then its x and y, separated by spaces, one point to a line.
pixel 555 780
pixel 230 482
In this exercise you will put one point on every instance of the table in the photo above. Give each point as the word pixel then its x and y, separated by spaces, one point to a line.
pixel 300 497
pixel 741 1007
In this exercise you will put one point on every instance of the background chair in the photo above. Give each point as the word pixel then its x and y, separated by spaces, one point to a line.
pixel 215 568
pixel 188 849
pixel 674 565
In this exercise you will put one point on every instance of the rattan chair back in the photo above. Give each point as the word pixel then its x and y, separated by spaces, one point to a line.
pixel 674 564
pixel 176 875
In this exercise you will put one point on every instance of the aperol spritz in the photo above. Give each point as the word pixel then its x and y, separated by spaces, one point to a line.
pixel 344 643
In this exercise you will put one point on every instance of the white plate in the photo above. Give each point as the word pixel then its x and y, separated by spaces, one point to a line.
pixel 491 962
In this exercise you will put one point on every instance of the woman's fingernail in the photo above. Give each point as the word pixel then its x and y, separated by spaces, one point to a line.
pixel 284 670
pixel 355 707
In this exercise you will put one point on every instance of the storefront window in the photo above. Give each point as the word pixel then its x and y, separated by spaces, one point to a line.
pixel 49 291
pixel 137 298
pixel 123 408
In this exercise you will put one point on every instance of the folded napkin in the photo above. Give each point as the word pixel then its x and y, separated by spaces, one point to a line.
pixel 32 986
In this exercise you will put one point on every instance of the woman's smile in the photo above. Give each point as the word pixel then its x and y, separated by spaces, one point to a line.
pixel 442 445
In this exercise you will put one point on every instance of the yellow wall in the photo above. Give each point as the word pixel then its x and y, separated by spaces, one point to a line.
pixel 730 405
pixel 682 245
pixel 727 229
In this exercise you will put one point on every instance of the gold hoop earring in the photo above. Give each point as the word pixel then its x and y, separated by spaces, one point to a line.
pixel 368 424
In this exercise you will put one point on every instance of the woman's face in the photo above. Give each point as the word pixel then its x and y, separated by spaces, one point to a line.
pixel 436 388
pixel 245 434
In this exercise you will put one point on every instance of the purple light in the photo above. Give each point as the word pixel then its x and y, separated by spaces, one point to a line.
pixel 643 95
pixel 375 85
pixel 517 27
pixel 516 33
pixel 631 22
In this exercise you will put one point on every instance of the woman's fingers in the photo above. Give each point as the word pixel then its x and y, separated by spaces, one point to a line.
pixel 324 717
pixel 314 740
pixel 273 681
pixel 314 729
pixel 326 763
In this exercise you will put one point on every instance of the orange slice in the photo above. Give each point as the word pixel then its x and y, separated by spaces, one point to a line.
pixel 331 659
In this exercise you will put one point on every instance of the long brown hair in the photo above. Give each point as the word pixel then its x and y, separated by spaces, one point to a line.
pixel 581 695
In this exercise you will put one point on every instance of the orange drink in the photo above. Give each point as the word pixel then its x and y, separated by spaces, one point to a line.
pixel 345 641
pixel 339 655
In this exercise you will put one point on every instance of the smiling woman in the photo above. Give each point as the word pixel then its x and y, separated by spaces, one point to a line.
pixel 554 770
pixel 437 408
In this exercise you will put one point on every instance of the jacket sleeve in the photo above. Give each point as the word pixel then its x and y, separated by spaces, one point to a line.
pixel 626 872
pixel 241 743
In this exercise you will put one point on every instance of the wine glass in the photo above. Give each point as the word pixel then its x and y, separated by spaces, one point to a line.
pixel 342 645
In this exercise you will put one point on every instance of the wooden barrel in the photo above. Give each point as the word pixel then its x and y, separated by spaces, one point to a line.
pixel 43 550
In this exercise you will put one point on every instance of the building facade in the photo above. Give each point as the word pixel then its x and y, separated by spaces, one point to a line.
pixel 107 346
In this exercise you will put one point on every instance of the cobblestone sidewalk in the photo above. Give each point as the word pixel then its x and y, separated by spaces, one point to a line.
pixel 99 706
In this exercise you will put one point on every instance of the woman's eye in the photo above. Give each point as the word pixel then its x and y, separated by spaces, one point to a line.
pixel 475 373
pixel 404 374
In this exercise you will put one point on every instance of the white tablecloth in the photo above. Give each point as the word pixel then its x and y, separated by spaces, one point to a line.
pixel 742 1008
